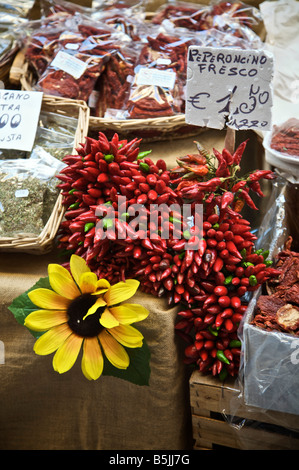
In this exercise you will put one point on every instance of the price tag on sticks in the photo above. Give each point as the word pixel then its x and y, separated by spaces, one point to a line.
pixel 19 113
pixel 231 87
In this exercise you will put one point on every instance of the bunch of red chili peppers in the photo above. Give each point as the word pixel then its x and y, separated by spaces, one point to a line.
pixel 229 265
pixel 207 270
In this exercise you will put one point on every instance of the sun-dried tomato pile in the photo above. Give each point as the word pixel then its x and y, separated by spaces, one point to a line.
pixel 206 268
pixel 278 309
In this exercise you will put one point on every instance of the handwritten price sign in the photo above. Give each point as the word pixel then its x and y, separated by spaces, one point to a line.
pixel 229 87
pixel 19 113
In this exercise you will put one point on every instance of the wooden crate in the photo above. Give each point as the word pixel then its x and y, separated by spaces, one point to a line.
pixel 220 419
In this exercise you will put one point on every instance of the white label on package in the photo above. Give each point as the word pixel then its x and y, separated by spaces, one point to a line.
pixel 19 114
pixel 22 193
pixel 69 64
pixel 231 87
pixel 156 77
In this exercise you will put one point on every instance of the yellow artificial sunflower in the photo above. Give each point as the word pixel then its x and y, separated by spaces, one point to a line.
pixel 82 309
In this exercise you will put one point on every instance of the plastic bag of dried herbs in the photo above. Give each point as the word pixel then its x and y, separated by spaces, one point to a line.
pixel 28 193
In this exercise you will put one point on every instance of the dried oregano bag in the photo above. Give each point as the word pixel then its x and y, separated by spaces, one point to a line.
pixel 27 196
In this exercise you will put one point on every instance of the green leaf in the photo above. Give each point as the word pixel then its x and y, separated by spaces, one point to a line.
pixel 143 154
pixel 138 371
pixel 21 306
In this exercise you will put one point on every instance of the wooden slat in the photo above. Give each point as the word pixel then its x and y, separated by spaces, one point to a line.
pixel 207 393
pixel 207 430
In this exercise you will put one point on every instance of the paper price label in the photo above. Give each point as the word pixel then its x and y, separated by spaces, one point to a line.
pixel 22 193
pixel 229 87
pixel 156 77
pixel 19 113
pixel 69 64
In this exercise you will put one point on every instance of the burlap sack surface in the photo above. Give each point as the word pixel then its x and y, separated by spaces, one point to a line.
pixel 43 410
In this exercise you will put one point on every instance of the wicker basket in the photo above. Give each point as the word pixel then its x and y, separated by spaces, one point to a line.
pixel 150 129
pixel 43 243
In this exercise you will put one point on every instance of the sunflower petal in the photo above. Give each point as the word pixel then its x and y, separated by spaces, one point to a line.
pixel 66 355
pixel 121 291
pixel 88 282
pixel 48 299
pixel 43 320
pixel 78 266
pixel 103 283
pixel 129 313
pixel 114 352
pixel 102 286
pixel 107 320
pixel 52 339
pixel 62 282
pixel 100 302
pixel 92 360
pixel 127 335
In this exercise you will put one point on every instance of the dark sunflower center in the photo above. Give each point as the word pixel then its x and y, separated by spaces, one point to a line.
pixel 77 310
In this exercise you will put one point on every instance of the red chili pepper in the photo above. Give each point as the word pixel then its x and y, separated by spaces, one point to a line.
pixel 233 249
pixel 228 354
pixel 202 245
pixel 219 320
pixel 237 156
pixel 259 174
pixel 226 199
pixel 260 277
pixel 224 301
pixel 256 187
pixel 218 265
pixel 235 302
pixel 236 318
pixel 228 324
pixel 239 185
pixel 259 267
pixel 227 313
pixel 220 291
pixel 222 169
pixel 244 195
pixel 239 229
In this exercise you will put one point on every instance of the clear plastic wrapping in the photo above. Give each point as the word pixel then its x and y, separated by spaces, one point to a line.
pixel 158 85
pixel 68 53
pixel 285 138
pixel 270 348
pixel 52 7
pixel 28 194
pixel 91 56
pixel 16 8
pixel 55 135
pixel 115 85
pixel 231 16
pixel 126 22
pixel 13 16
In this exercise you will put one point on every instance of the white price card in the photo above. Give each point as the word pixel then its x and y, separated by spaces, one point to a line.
pixel 155 77
pixel 69 64
pixel 19 114
pixel 231 87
